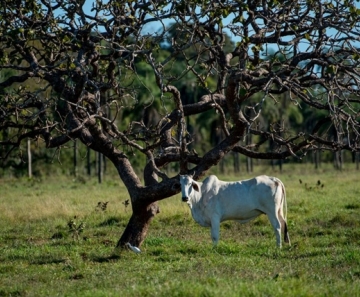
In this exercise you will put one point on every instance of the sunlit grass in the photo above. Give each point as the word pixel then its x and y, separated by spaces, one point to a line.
pixel 41 256
pixel 40 199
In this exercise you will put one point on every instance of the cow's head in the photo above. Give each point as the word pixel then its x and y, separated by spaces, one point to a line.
pixel 187 186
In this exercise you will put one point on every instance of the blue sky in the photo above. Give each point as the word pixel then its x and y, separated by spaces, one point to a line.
pixel 152 28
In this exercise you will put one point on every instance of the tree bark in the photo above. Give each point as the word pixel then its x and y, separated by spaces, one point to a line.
pixel 88 161
pixel 29 158
pixel 249 161
pixel 236 162
pixel 138 225
pixel 100 167
pixel 75 159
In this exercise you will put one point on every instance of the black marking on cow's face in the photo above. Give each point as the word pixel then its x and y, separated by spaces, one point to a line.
pixel 185 199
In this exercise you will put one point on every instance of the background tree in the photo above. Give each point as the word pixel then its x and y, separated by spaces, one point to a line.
pixel 112 79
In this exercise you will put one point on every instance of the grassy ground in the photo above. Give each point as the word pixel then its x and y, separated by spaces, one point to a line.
pixel 40 255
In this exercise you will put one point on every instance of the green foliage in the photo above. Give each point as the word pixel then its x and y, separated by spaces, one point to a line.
pixel 177 257
pixel 118 57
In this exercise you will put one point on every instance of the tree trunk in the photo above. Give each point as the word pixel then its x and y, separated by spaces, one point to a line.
pixel 88 161
pixel 142 214
pixel 222 166
pixel 316 155
pixel 138 225
pixel 29 158
pixel 75 158
pixel 249 161
pixel 100 167
pixel 337 154
pixel 249 165
pixel 338 160
pixel 236 162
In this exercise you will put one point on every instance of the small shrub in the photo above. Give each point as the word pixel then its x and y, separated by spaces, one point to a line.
pixel 101 206
pixel 74 229
pixel 126 203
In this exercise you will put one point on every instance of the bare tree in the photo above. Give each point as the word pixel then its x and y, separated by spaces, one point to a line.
pixel 64 61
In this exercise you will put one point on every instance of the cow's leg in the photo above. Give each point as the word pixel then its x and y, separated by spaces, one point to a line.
pixel 215 230
pixel 286 234
pixel 275 222
pixel 284 226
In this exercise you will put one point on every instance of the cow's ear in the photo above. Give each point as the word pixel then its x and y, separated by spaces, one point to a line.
pixel 195 186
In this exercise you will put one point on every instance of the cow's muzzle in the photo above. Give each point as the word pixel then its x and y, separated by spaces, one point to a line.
pixel 185 199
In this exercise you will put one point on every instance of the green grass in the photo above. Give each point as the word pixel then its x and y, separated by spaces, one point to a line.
pixel 40 256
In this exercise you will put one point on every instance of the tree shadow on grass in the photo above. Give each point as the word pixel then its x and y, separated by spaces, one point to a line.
pixel 4 292
pixel 112 221
pixel 43 260
pixel 105 259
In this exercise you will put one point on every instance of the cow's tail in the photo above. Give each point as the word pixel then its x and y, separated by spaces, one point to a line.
pixel 284 205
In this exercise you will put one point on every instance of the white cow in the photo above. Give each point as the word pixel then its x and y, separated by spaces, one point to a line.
pixel 214 201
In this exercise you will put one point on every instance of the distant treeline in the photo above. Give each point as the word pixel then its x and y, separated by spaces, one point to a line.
pixel 78 161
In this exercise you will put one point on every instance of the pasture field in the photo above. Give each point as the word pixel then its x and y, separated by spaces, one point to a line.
pixel 43 254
